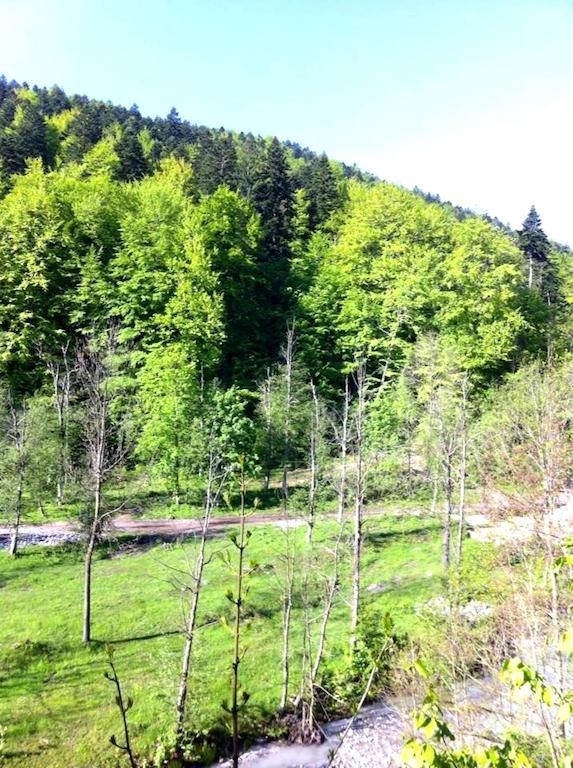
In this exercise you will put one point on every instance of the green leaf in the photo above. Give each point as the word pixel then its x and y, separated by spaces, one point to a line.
pixel 565 643
pixel 421 669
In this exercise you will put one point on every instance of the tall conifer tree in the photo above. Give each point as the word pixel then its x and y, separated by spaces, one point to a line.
pixel 323 191
pixel 273 198
pixel 534 244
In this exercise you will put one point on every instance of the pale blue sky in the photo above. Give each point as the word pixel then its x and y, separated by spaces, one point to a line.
pixel 472 99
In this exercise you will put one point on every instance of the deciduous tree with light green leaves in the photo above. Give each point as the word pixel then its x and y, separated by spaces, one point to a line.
pixel 398 268
pixel 168 397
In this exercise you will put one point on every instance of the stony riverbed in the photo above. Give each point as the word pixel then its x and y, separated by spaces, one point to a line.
pixel 374 740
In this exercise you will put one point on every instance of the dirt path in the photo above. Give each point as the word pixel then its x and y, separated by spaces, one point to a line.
pixel 174 527
pixel 183 526
pixel 60 531
pixel 55 532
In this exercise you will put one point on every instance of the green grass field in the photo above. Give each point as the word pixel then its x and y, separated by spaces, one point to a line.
pixel 55 705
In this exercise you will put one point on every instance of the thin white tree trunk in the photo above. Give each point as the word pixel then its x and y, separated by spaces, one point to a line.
pixel 18 434
pixel 87 620
pixel 18 510
pixel 330 595
pixel 530 275
pixel 359 504
pixel 211 499
pixel 447 524
pixel 267 411
pixel 287 610
pixel 289 556
pixel 102 458
pixel 314 438
pixel 343 452
pixel 463 472
pixel 240 545
pixel 61 380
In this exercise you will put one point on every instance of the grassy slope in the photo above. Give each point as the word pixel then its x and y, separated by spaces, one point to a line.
pixel 54 702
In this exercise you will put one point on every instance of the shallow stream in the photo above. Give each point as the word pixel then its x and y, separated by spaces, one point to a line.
pixel 375 738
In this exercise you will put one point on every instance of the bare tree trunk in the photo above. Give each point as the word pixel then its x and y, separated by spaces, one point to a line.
pixel 289 557
pixel 314 438
pixel 103 454
pixel 289 360
pixel 462 502
pixel 448 439
pixel 343 451
pixel 306 697
pixel 409 476
pixel 241 544
pixel 530 275
pixel 202 400
pixel 18 434
pixel 447 534
pixel 463 472
pixel 87 623
pixel 61 448
pixel 211 499
pixel 18 510
pixel 310 666
pixel 176 474
pixel 359 502
pixel 434 495
pixel 266 402
pixel 331 591
pixel 287 610
pixel 60 372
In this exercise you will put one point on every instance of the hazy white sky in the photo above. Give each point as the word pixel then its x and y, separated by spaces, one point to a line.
pixel 471 99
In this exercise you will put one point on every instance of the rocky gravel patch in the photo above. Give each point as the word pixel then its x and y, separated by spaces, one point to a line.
pixel 48 535
pixel 374 741
pixel 38 540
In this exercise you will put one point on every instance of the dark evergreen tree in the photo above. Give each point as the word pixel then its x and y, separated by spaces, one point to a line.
pixel 133 164
pixel 85 130
pixel 227 159
pixel 57 100
pixel 273 198
pixel 4 88
pixel 174 134
pixel 323 192
pixel 250 157
pixel 24 138
pixel 135 116
pixel 215 162
pixel 535 246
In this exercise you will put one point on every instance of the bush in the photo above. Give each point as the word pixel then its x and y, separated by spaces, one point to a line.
pixel 345 681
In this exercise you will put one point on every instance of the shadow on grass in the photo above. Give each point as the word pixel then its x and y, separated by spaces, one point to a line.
pixel 138 543
pixel 379 539
pixel 10 754
pixel 29 561
pixel 137 638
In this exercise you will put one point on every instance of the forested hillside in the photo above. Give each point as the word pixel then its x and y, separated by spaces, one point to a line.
pixel 175 233
pixel 197 323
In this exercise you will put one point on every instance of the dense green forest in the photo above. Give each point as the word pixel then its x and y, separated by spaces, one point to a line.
pixel 209 242
pixel 197 323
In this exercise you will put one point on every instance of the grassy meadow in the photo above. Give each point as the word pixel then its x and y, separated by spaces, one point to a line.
pixel 57 708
